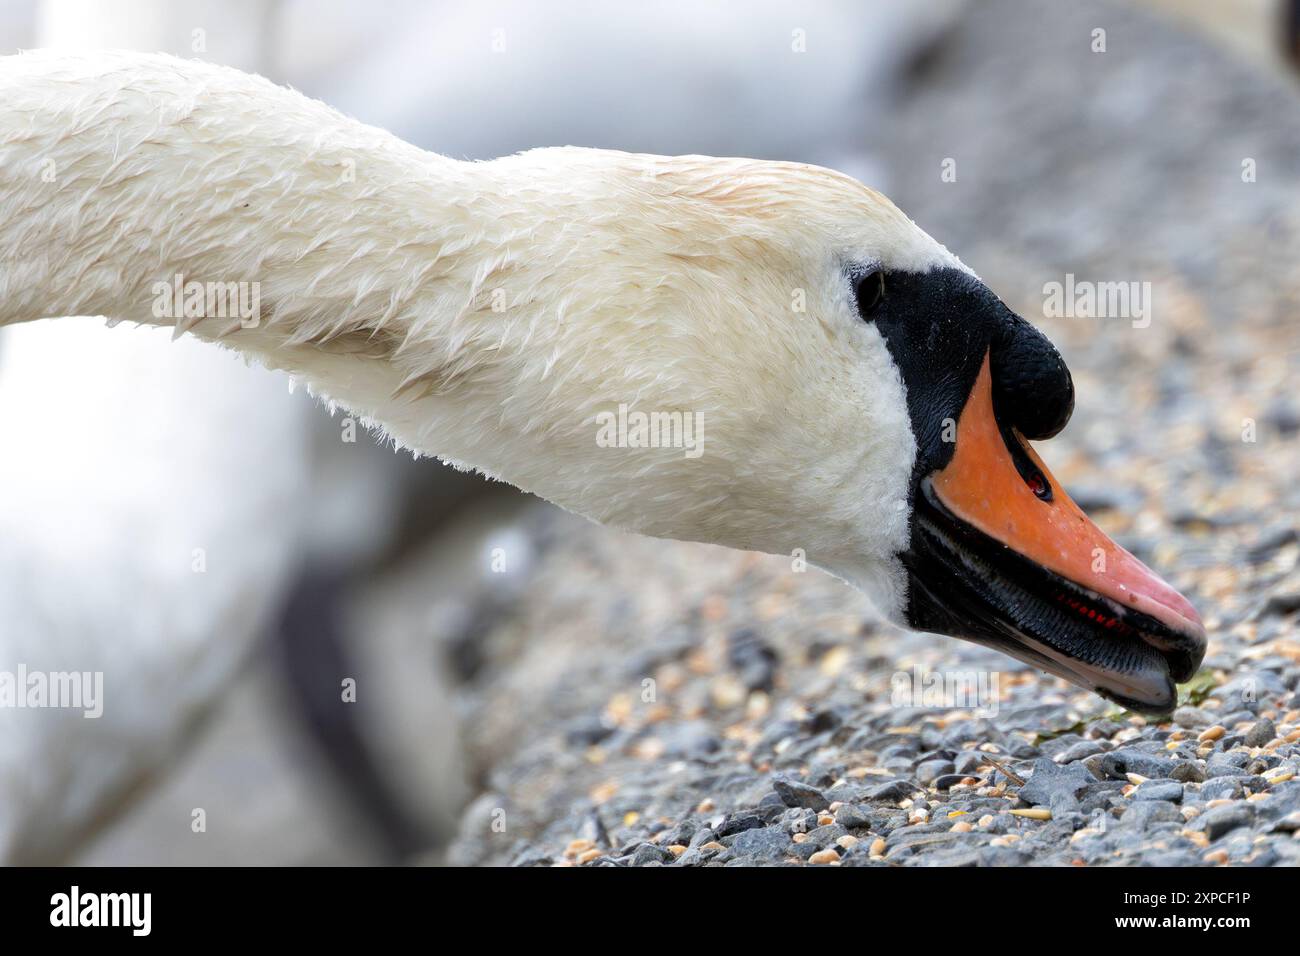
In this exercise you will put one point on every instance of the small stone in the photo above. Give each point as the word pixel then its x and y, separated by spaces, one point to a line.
pixel 1080 751
pixel 768 842
pixel 702 836
pixel 826 835
pixel 822 857
pixel 681 833
pixel 1187 772
pixel 739 822
pixel 930 770
pixel 1260 734
pixel 1222 788
pixel 1050 781
pixel 1172 792
pixel 1288 824
pixel 1118 763
pixel 796 794
pixel 1226 764
pixel 647 854
pixel 850 817
pixel 1220 820
pixel 1192 717
pixel 877 847
pixel 1142 814
pixel 893 791
pixel 1211 733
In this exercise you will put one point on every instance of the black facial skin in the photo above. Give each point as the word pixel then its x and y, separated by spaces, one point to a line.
pixel 938 326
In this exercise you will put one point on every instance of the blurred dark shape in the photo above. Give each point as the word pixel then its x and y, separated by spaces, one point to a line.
pixel 1290 31
pixel 312 653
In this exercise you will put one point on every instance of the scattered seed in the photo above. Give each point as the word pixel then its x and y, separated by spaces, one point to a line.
pixel 578 846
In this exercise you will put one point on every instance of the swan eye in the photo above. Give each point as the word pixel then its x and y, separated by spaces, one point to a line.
pixel 870 292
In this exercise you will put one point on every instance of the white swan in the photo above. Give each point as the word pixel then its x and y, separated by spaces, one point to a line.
pixel 862 394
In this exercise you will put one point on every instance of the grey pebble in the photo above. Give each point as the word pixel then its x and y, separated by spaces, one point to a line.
pixel 1119 763
pixel 1172 791
pixel 796 794
pixel 850 817
pixel 895 790
pixel 1185 771
pixel 737 823
pixel 1143 814
pixel 1080 750
pixel 1192 717
pixel 1050 781
pixel 1263 731
pixel 1222 788
pixel 647 854
pixel 1221 820
pixel 930 770
pixel 702 836
pixel 768 843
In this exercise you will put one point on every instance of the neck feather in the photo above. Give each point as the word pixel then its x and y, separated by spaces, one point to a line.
pixel 177 193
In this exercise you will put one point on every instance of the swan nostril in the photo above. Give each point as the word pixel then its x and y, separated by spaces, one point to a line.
pixel 1039 486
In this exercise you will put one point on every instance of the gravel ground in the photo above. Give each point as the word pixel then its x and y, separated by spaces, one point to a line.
pixel 659 703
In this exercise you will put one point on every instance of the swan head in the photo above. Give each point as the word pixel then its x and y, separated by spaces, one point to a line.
pixel 854 394
pixel 767 356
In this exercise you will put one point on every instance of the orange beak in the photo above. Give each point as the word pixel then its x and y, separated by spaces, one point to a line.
pixel 1068 598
